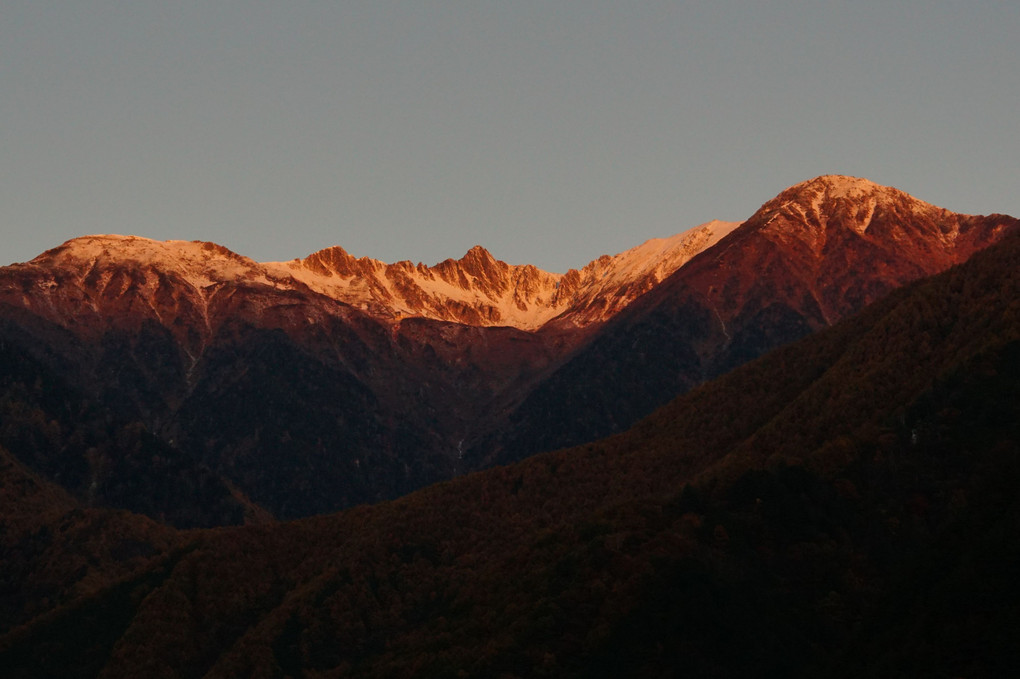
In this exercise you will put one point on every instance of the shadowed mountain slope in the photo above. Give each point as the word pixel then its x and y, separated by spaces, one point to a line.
pixel 844 506
pixel 305 386
pixel 819 251
pixel 292 389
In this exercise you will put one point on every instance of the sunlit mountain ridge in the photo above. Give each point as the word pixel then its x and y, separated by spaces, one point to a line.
pixel 303 387
pixel 842 506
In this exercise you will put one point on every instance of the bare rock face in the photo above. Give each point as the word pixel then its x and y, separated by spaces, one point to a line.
pixel 607 285
pixel 318 383
pixel 480 290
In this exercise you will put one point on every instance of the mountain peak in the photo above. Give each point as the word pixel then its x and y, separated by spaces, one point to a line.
pixel 337 261
pixel 479 289
pixel 479 262
pixel 809 222
pixel 210 258
pixel 826 189
pixel 836 203
pixel 477 252
pixel 839 185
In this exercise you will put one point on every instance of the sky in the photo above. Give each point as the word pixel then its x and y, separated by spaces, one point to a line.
pixel 549 132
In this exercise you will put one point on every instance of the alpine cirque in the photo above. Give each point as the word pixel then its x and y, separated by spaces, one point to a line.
pixel 286 389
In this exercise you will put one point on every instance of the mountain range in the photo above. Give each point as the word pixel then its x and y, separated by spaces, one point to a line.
pixel 843 505
pixel 286 389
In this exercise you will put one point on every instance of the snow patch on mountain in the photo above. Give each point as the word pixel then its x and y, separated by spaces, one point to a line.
pixel 608 284
pixel 481 290
pixel 200 264
pixel 476 289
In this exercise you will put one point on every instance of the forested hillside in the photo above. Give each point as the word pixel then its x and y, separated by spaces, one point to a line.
pixel 186 382
pixel 844 506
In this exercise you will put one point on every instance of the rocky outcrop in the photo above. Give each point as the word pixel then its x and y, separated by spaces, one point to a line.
pixel 479 289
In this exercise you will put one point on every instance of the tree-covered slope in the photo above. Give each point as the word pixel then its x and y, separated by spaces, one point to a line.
pixel 99 456
pixel 844 506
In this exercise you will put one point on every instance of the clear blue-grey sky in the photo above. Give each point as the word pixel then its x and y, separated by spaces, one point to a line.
pixel 548 131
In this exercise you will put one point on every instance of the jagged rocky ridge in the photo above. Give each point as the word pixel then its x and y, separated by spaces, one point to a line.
pixel 192 281
pixel 312 385
pixel 480 290
pixel 843 507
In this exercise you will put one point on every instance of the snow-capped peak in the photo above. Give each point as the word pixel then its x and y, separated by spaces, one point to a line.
pixel 479 289
pixel 827 190
pixel 476 289
pixel 200 263
pixel 838 186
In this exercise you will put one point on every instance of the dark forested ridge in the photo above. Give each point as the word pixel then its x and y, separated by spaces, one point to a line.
pixel 200 388
pixel 845 506
pixel 100 457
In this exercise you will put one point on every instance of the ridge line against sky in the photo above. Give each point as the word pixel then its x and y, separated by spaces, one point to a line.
pixel 548 132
